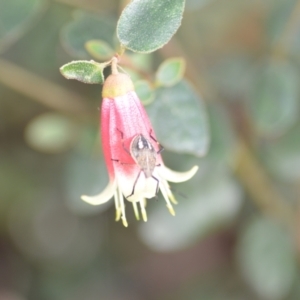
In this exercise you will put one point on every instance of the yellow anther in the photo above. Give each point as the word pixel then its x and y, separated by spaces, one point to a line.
pixel 171 210
pixel 136 211
pixel 118 214
pixel 124 222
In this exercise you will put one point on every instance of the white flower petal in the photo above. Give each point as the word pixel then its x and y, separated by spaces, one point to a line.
pixel 104 196
pixel 143 187
pixel 174 176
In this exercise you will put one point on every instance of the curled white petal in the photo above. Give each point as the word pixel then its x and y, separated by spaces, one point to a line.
pixel 104 196
pixel 174 176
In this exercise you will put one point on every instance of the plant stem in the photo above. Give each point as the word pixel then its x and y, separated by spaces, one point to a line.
pixel 114 66
pixel 41 90
pixel 261 189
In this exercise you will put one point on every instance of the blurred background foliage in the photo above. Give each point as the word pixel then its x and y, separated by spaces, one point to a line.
pixel 236 233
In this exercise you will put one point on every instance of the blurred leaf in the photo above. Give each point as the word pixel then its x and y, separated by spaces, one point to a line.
pixel 231 76
pixel 267 259
pixel 223 140
pixel 196 4
pixel 179 118
pixel 85 174
pixel 273 101
pixel 211 202
pixel 141 61
pixel 51 133
pixel 283 156
pixel 295 295
pixel 47 233
pixel 170 71
pixel 230 285
pixel 146 25
pixel 16 16
pixel 86 27
pixel 99 49
pixel 277 20
pixel 16 182
pixel 84 71
pixel 135 76
pixel 144 91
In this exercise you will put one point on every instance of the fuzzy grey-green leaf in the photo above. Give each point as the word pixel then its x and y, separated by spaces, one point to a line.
pixel 179 117
pixel 84 71
pixel 146 25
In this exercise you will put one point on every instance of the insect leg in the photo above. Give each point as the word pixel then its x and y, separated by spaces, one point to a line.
pixel 157 184
pixel 122 136
pixel 137 177
pixel 161 148
pixel 122 163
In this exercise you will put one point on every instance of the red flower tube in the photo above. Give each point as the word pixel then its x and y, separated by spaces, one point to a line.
pixel 131 151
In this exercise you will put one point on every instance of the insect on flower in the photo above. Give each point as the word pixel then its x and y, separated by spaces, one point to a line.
pixel 145 156
pixel 131 151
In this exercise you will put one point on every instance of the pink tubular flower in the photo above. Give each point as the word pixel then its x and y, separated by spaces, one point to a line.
pixel 131 151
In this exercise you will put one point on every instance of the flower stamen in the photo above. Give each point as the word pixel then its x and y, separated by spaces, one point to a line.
pixel 118 208
pixel 121 199
pixel 136 211
pixel 143 210
pixel 167 195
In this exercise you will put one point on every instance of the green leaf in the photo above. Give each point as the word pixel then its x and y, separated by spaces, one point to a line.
pixel 230 285
pixel 170 71
pixel 267 259
pixel 146 25
pixel 179 118
pixel 223 140
pixel 135 76
pixel 99 49
pixel 85 174
pixel 86 27
pixel 193 5
pixel 84 71
pixel 211 202
pixel 51 133
pixel 273 101
pixel 16 16
pixel 144 91
pixel 282 156
pixel 231 76
pixel 278 17
pixel 141 61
